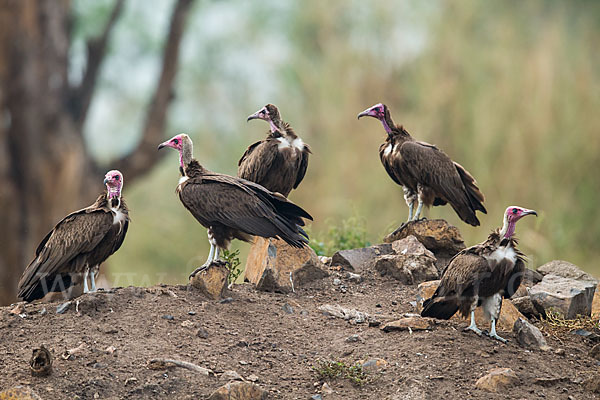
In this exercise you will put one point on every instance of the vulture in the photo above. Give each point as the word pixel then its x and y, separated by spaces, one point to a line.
pixel 278 162
pixel 426 173
pixel 78 244
pixel 481 275
pixel 233 208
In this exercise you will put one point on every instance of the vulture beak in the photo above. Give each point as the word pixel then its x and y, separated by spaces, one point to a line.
pixel 254 116
pixel 160 146
pixel 530 212
pixel 106 180
pixel 365 113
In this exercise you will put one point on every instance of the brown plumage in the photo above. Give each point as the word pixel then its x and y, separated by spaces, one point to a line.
pixel 279 161
pixel 233 208
pixel 426 173
pixel 77 245
pixel 481 275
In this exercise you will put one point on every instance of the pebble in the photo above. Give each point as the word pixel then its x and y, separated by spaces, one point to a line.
pixel 63 307
pixel 316 397
pixel 43 311
pixel 226 300
pixel 326 388
pixel 202 333
pixel 337 282
pixel 354 277
pixel 231 376
pixel 191 312
pixel 168 317
pixel 288 309
pixel 353 339
pixel 252 378
pixel 560 352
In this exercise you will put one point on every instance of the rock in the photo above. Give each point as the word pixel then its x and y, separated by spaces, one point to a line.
pixel 408 267
pixel 596 303
pixel 287 308
pixel 236 390
pixel 352 277
pixel 410 245
pixel 443 239
pixel 530 279
pixel 508 314
pixel 595 352
pixel 337 282
pixel 19 309
pixel 412 323
pixel 529 336
pixel 374 363
pixel 497 379
pixel 252 378
pixel 526 307
pixel 358 259
pixel 202 333
pixel 212 282
pixel 62 308
pixel 230 375
pixel 226 300
pixel 41 362
pixel 566 270
pixel 168 317
pixel 569 296
pixel 274 266
pixel 326 389
pixel 344 313
pixel 325 260
pixel 316 397
pixel 19 393
pixel 354 339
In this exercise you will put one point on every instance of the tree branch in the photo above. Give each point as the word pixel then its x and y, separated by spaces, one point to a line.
pixel 145 155
pixel 81 96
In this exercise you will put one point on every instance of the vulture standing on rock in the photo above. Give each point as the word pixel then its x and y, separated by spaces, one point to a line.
pixel 233 208
pixel 278 162
pixel 481 275
pixel 426 173
pixel 78 244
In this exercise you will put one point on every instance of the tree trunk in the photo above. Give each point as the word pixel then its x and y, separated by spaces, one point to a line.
pixel 45 171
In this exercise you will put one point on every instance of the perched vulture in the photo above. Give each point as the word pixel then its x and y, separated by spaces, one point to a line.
pixel 233 208
pixel 278 162
pixel 481 275
pixel 426 173
pixel 78 244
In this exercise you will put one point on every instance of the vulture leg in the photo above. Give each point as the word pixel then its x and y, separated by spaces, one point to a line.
pixel 473 327
pixel 410 198
pixel 492 306
pixel 211 255
pixel 85 278
pixel 93 272
pixel 420 195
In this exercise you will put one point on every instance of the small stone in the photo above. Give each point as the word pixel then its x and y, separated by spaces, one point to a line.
pixel 337 282
pixel 526 306
pixel 374 363
pixel 288 309
pixel 63 307
pixel 226 300
pixel 497 379
pixel 18 309
pixel 529 336
pixel 110 350
pixel 344 313
pixel 41 362
pixel 352 277
pixel 316 397
pixel 43 311
pixel 202 333
pixel 191 312
pixel 252 378
pixel 19 393
pixel 412 323
pixel 230 376
pixel 326 389
pixel 243 362
pixel 595 352
pixel 168 317
pixel 325 260
pixel 130 380
pixel 353 339
pixel 239 390
pixel 188 324
pixel 560 352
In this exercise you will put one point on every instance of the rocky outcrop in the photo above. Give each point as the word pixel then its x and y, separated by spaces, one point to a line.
pixel 441 238
pixel 212 282
pixel 237 390
pixel 275 266
pixel 566 270
pixel 411 262
pixel 358 259
pixel 569 296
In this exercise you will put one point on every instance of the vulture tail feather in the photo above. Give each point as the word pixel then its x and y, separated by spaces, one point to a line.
pixel 476 198
pixel 440 307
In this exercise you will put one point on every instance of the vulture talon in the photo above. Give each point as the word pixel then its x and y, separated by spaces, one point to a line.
pixel 473 329
pixel 201 268
pixel 495 336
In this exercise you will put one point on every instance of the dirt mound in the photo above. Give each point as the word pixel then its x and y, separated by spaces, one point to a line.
pixel 107 346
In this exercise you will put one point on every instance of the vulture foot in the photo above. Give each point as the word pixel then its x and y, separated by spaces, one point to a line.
pixel 205 266
pixel 495 336
pixel 399 229
pixel 474 329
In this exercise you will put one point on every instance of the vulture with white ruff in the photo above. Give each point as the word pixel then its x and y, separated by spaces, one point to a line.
pixel 279 161
pixel 78 244
pixel 233 208
pixel 428 176
pixel 481 275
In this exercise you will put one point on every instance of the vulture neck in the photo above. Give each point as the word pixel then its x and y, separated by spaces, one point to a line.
pixel 113 196
pixel 508 228
pixel 185 155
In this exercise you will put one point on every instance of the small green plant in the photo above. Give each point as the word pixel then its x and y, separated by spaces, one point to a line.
pixel 233 264
pixel 555 324
pixel 328 369
pixel 350 234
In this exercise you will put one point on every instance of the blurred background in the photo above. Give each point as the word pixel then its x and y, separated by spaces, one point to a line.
pixel 509 89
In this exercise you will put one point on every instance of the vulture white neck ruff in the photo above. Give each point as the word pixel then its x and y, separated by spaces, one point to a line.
pixel 504 252
pixel 296 144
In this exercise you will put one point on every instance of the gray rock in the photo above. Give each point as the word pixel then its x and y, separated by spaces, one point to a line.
pixel 526 306
pixel 239 390
pixel 529 336
pixel 569 296
pixel 349 314
pixel 337 282
pixel 63 307
pixel 230 375
pixel 352 277
pixel 566 270
pixel 316 397
pixel 288 309
pixel 354 339
pixel 413 264
pixel 358 259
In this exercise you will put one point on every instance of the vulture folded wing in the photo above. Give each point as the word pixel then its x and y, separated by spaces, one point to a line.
pixel 77 233
pixel 256 162
pixel 433 168
pixel 303 165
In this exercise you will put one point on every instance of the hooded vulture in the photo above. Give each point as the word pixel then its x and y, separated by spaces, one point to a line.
pixel 481 275
pixel 78 244
pixel 278 162
pixel 233 208
pixel 426 173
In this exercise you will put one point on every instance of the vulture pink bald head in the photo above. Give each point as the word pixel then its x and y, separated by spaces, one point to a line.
pixel 114 183
pixel 183 144
pixel 378 111
pixel 511 216
pixel 269 113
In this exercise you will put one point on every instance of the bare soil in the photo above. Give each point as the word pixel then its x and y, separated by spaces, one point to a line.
pixel 253 335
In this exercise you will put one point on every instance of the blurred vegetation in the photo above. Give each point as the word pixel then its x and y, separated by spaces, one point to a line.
pixel 509 89
pixel 350 234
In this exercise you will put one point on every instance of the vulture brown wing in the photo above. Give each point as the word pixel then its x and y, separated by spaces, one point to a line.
pixel 303 165
pixel 390 168
pixel 77 233
pixel 225 200
pixel 257 160
pixel 433 168
pixel 463 274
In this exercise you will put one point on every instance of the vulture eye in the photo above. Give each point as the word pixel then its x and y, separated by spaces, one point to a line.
pixel 116 177
pixel 176 141
pixel 514 210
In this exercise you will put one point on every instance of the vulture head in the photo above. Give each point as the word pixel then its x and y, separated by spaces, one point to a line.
pixel 268 113
pixel 511 216
pixel 183 144
pixel 382 113
pixel 114 183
